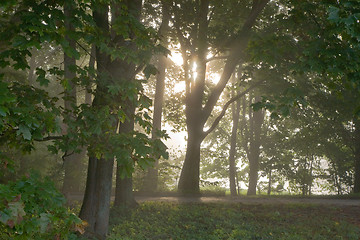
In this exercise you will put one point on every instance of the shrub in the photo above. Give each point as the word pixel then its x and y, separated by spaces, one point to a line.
pixel 32 208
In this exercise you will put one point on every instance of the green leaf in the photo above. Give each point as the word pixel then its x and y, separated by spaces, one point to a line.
pixel 44 222
pixel 3 111
pixel 25 131
pixel 19 41
pixel 257 106
pixel 114 89
pixel 274 115
pixel 4 217
pixel 150 70
pixel 42 77
pixel 333 13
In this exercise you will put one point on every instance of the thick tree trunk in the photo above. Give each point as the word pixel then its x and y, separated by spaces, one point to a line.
pixel 73 167
pixel 95 209
pixel 190 173
pixel 104 170
pixel 124 192
pixel 124 189
pixel 89 201
pixel 253 176
pixel 96 205
pixel 255 130
pixel 232 151
pixel 125 71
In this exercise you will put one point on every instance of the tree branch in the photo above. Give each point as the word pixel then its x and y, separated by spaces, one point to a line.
pixel 216 58
pixel 49 138
pixel 233 99
pixel 237 50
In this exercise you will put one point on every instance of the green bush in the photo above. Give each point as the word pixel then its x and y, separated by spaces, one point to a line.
pixel 213 190
pixel 32 208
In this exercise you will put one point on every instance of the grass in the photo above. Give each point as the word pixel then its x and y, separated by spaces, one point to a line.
pixel 163 220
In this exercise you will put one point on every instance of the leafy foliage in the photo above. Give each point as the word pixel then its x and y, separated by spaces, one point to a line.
pixel 32 208
pixel 29 113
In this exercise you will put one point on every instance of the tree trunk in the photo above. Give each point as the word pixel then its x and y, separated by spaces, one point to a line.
pixel 124 192
pixel 269 186
pixel 88 95
pixel 125 71
pixel 124 188
pixel 104 170
pixel 256 121
pixel 311 174
pixel 73 172
pixel 32 64
pixel 232 151
pixel 89 201
pixel 96 205
pixel 357 156
pixel 72 163
pixel 95 209
pixel 357 170
pixel 151 179
pixel 190 173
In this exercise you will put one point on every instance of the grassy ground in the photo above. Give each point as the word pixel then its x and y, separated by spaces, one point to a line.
pixel 210 221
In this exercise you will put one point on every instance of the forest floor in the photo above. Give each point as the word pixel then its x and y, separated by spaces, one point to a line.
pixel 259 217
pixel 348 209
pixel 345 208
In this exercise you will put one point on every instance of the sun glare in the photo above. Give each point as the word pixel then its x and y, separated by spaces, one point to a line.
pixel 176 58
pixel 194 67
pixel 179 87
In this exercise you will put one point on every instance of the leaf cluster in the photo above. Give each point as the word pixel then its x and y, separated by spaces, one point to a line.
pixel 32 208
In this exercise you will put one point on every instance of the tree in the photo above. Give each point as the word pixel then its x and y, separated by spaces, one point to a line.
pixel 194 41
pixel 151 180
pixel 72 161
pixel 95 126
pixel 235 109
pixel 116 81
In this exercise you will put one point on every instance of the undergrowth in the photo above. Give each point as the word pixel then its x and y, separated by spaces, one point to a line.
pixel 162 220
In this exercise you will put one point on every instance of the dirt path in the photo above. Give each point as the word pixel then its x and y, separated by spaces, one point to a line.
pixel 255 200
pixel 243 199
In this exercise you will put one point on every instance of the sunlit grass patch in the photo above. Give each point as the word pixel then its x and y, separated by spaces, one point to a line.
pixel 160 220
